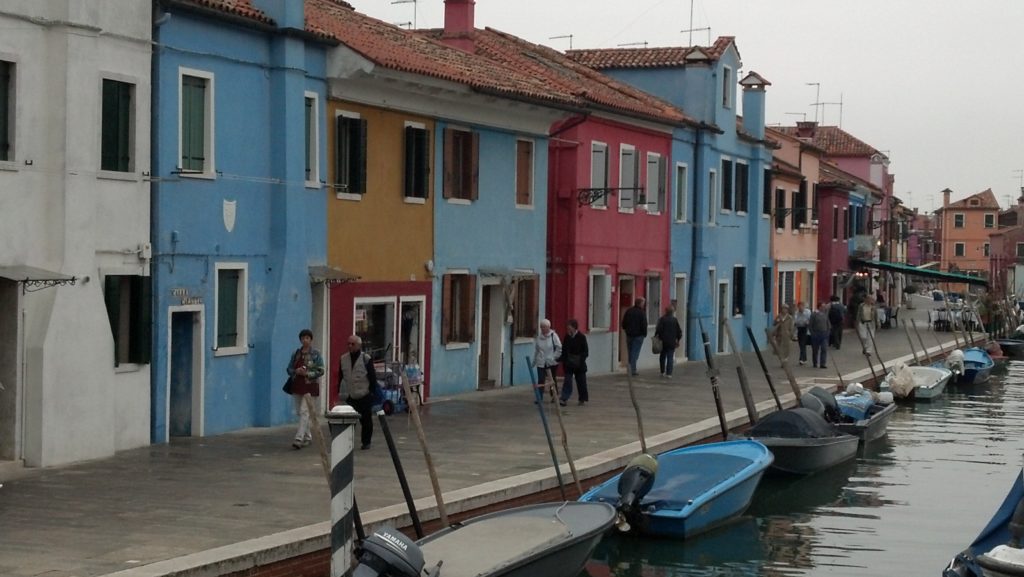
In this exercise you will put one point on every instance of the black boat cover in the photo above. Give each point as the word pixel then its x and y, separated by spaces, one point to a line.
pixel 798 423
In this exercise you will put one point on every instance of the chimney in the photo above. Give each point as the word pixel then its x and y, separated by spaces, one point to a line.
pixel 753 103
pixel 945 197
pixel 459 16
pixel 285 13
pixel 806 128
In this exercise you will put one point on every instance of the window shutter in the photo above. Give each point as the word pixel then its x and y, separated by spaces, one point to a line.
pixel 727 188
pixel 474 192
pixel 5 110
pixel 803 202
pixel 308 134
pixel 194 122
pixel 357 155
pixel 340 177
pixel 524 163
pixel 742 188
pixel 112 298
pixel 227 308
pixel 141 329
pixel 411 159
pixel 449 162
pixel 446 308
pixel 662 185
pixel 534 301
pixel 423 162
pixel 766 192
pixel 469 302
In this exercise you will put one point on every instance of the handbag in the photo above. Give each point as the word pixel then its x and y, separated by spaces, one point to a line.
pixel 287 388
pixel 656 345
pixel 574 362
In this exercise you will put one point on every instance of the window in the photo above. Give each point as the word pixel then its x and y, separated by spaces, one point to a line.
pixel 6 110
pixel 654 196
pixel 653 299
pixel 959 249
pixel 375 324
pixel 801 206
pixel 312 142
pixel 739 290
pixel 524 173
pixel 727 190
pixel 766 287
pixel 742 187
pixel 835 223
pixel 780 209
pixel 1020 249
pixel 629 179
pixel 958 221
pixel 599 171
pixel 349 154
pixel 786 285
pixel 846 224
pixel 461 164
pixel 986 249
pixel 766 193
pixel 196 130
pixel 417 161
pixel 526 306
pixel 712 196
pixel 600 305
pixel 682 184
pixel 231 309
pixel 116 129
pixel 458 308
pixel 990 221
pixel 128 300
pixel 726 87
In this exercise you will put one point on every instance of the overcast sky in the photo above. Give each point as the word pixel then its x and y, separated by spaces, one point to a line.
pixel 936 84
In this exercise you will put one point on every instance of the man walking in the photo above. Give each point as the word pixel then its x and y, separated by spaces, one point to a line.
pixel 836 316
pixel 634 324
pixel 358 381
pixel 801 318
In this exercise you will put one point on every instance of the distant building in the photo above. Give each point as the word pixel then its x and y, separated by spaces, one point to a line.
pixel 964 227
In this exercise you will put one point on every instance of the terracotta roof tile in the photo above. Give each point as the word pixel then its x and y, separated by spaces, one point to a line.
pixel 664 57
pixel 242 8
pixel 830 174
pixel 987 200
pixel 834 141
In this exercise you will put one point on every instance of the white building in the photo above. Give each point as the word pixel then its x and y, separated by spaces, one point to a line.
pixel 74 229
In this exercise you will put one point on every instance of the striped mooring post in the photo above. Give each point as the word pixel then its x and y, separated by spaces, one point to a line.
pixel 342 419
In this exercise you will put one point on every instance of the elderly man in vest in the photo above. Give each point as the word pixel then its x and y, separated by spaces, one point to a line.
pixel 358 381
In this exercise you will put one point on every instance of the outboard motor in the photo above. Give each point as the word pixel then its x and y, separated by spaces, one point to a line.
pixel 634 483
pixel 955 362
pixel 389 553
pixel 1007 559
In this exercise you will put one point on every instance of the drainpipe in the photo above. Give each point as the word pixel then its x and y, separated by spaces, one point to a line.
pixel 695 239
pixel 154 211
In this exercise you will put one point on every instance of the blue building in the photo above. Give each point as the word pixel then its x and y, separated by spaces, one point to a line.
pixel 720 233
pixel 238 210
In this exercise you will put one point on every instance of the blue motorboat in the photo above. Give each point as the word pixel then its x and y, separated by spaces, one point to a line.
pixel 686 491
pixel 997 551
pixel 978 365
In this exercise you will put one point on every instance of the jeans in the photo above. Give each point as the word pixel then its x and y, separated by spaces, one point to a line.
pixel 302 411
pixel 580 376
pixel 802 340
pixel 633 346
pixel 667 359
pixel 365 408
pixel 819 349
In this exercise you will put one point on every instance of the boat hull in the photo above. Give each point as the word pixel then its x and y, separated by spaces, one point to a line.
pixel 978 365
pixel 871 428
pixel 548 540
pixel 696 488
pixel 1013 348
pixel 804 456
pixel 931 382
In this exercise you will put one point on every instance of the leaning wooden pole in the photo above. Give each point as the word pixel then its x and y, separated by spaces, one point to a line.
pixel 785 367
pixel 764 368
pixel 874 345
pixel 910 342
pixel 864 347
pixel 636 409
pixel 748 398
pixel 565 441
pixel 927 357
pixel 414 412
pixel 709 358
pixel 950 320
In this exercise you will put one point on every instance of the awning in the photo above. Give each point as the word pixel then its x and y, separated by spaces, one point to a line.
pixel 509 273
pixel 30 276
pixel 330 275
pixel 915 271
pixel 932 264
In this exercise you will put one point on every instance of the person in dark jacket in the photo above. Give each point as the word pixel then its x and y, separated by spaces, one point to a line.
pixel 574 360
pixel 670 333
pixel 836 318
pixel 819 329
pixel 358 380
pixel 634 324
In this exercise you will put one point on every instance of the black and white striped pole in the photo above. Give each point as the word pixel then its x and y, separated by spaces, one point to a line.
pixel 342 419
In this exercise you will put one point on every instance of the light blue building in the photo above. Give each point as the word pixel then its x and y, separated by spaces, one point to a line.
pixel 720 234
pixel 238 211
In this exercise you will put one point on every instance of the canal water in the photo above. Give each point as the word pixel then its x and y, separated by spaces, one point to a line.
pixel 908 503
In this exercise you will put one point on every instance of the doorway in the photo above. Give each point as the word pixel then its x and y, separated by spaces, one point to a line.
pixel 10 360
pixel 723 314
pixel 492 318
pixel 627 292
pixel 410 343
pixel 185 373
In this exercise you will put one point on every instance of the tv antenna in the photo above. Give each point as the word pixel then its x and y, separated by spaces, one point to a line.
pixel 817 97
pixel 823 104
pixel 627 44
pixel 1019 175
pixel 414 9
pixel 569 36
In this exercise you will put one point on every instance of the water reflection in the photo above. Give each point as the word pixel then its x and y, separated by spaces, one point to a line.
pixel 909 502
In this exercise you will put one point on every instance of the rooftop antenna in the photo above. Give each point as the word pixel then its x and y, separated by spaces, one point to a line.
pixel 414 10
pixel 1019 173
pixel 569 36
pixel 817 97
pixel 644 44
pixel 840 104
pixel 403 24
pixel 802 115
pixel 692 30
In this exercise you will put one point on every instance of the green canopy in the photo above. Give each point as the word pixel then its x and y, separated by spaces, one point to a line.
pixel 922 272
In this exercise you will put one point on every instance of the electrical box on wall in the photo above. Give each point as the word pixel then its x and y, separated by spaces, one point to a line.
pixel 145 251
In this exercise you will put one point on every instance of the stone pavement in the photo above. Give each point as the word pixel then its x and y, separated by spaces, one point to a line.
pixel 208 506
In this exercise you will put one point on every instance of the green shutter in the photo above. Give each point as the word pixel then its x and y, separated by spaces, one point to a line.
pixel 115 153
pixel 5 110
pixel 227 308
pixel 358 155
pixel 423 162
pixel 112 298
pixel 141 323
pixel 409 175
pixel 193 123
pixel 309 130
pixel 340 141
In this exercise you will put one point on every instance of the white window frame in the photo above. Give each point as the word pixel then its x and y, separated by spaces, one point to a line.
pixel 990 220
pixel 714 197
pixel 649 207
pixel 416 199
pixel 728 100
pixel 314 140
pixel 736 188
pixel 963 249
pixel 623 149
pixel 242 316
pixel 713 287
pixel 1020 250
pixel 344 195
pixel 131 173
pixel 12 114
pixel 986 249
pixel 963 220
pixel 649 279
pixel 601 203
pixel 533 174
pixel 592 300
pixel 681 195
pixel 210 129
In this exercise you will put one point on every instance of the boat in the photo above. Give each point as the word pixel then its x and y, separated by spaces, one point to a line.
pixel 997 551
pixel 918 383
pixel 547 540
pixel 802 441
pixel 692 489
pixel 856 411
pixel 977 367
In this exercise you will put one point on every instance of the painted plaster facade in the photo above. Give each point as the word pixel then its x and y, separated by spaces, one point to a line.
pixel 65 396
pixel 964 229
pixel 238 214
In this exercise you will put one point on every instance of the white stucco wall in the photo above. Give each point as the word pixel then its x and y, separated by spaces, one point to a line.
pixel 59 212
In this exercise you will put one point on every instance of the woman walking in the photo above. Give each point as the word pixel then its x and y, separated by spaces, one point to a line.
pixel 547 350
pixel 304 372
